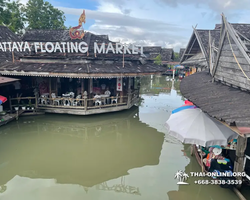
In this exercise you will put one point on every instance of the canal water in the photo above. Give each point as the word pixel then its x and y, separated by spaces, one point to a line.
pixel 125 155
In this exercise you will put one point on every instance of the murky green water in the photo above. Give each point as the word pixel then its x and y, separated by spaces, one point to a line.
pixel 123 155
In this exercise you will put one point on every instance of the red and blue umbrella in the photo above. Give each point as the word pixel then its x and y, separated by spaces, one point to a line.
pixel 2 99
pixel 187 105
pixel 183 108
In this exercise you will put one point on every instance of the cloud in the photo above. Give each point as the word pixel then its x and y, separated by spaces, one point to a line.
pixel 221 5
pixel 127 29
pixel 167 23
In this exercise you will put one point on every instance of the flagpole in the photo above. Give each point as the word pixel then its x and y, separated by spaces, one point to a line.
pixel 123 57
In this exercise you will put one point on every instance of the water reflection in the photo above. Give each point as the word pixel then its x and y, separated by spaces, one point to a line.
pixel 124 155
pixel 120 188
pixel 159 84
pixel 86 151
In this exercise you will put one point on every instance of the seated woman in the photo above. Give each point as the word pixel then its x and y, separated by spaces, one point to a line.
pixel 215 161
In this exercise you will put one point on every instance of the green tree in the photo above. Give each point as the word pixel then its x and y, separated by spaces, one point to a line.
pixel 176 56
pixel 158 60
pixel 42 15
pixel 11 15
pixel 16 20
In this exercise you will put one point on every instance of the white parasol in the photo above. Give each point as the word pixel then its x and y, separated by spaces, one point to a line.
pixel 192 126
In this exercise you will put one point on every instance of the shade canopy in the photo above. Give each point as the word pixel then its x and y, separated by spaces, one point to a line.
pixel 184 107
pixel 2 99
pixel 192 126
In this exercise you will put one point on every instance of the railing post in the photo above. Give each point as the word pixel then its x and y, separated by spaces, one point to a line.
pixel 36 100
pixel 85 103
pixel 85 96
pixel 10 104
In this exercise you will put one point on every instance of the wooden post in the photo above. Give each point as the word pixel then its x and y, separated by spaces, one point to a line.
pixel 240 156
pixel 202 169
pixel 122 92
pixel 56 82
pixel 85 103
pixel 10 104
pixel 49 87
pixel 36 100
pixel 129 92
pixel 82 86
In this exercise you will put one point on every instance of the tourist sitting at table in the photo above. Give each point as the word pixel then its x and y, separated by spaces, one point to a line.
pixel 97 100
pixel 97 96
pixel 107 92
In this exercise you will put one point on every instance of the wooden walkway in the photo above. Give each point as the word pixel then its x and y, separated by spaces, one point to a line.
pixel 12 116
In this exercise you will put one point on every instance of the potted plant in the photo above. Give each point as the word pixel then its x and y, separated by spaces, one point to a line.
pixel 16 107
pixel 31 106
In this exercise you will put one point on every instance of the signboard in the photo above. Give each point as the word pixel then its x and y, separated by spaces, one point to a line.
pixel 119 84
pixel 76 32
pixel 70 47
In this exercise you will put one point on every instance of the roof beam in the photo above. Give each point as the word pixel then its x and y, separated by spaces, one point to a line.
pixel 201 45
pixel 190 48
pixel 238 42
pixel 222 39
pixel 189 42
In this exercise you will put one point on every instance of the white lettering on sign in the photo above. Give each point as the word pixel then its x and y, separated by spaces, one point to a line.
pixel 70 47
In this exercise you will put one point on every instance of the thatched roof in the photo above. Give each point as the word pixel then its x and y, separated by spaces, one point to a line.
pixel 6 35
pixel 182 50
pixel 218 100
pixel 244 29
pixel 199 43
pixel 151 52
pixel 197 59
pixel 167 54
pixel 58 64
pixel 81 70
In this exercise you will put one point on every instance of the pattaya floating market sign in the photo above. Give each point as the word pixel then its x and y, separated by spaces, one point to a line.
pixel 70 47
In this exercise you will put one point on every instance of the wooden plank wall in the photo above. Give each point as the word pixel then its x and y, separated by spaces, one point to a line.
pixel 228 70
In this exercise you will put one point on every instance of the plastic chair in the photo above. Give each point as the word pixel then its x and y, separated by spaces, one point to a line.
pixel 54 100
pixel 115 100
pixel 76 101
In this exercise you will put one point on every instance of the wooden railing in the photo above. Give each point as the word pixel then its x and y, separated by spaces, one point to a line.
pixel 74 103
pixel 30 102
pixel 84 104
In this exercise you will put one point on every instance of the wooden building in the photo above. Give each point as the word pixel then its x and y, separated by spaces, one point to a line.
pixel 151 52
pixel 77 83
pixel 182 50
pixel 198 49
pixel 223 92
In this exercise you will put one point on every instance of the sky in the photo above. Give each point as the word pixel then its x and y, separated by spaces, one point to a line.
pixel 166 23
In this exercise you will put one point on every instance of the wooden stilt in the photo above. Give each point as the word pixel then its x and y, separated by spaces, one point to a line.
pixel 202 168
pixel 240 156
